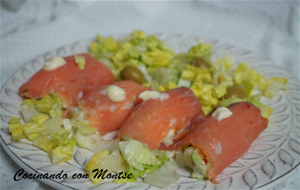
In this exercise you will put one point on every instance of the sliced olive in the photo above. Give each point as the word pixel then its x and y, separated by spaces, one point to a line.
pixel 200 62
pixel 131 72
pixel 235 91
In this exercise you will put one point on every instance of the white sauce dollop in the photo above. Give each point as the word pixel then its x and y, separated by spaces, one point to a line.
pixel 53 63
pixel 115 93
pixel 146 95
pixel 222 113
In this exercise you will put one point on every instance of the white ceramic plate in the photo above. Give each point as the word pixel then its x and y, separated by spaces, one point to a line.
pixel 272 158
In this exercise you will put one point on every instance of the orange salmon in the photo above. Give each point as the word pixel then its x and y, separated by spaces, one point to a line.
pixel 68 81
pixel 105 114
pixel 223 142
pixel 152 120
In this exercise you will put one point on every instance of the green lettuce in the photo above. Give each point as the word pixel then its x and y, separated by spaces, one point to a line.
pixel 112 162
pixel 140 159
pixel 255 100
pixel 163 176
pixel 58 146
pixel 89 138
pixel 195 159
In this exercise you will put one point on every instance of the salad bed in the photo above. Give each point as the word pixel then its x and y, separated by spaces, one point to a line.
pixel 154 60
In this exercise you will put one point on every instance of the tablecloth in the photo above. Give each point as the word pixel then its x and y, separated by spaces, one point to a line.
pixel 31 28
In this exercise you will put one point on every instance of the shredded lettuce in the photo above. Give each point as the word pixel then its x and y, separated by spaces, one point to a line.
pixel 80 61
pixel 163 176
pixel 164 75
pixel 39 125
pixel 51 105
pixel 265 109
pixel 225 62
pixel 184 82
pixel 15 127
pixel 227 102
pixel 219 91
pixel 249 78
pixel 62 147
pixel 58 146
pixel 179 61
pixel 44 127
pixel 255 100
pixel 32 130
pixel 52 125
pixel 179 159
pixel 102 160
pixel 89 138
pixel 140 159
pixel 28 112
pixel 136 154
pixel 201 50
pixel 68 126
pixel 196 160
pixel 274 85
pixel 135 49
pixel 39 118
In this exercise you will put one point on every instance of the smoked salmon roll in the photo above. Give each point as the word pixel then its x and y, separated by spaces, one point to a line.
pixel 67 80
pixel 163 118
pixel 106 108
pixel 217 142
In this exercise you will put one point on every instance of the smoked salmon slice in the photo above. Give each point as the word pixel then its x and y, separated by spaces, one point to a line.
pixel 152 121
pixel 105 114
pixel 222 142
pixel 68 82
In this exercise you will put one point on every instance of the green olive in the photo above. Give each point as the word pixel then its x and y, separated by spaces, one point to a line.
pixel 200 62
pixel 131 72
pixel 235 91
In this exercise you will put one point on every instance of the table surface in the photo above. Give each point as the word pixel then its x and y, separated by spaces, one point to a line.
pixel 31 28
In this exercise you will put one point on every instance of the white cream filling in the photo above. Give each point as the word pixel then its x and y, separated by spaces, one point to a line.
pixel 222 113
pixel 115 93
pixel 146 95
pixel 53 63
pixel 169 139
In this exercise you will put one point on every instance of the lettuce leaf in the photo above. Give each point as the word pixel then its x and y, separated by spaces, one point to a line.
pixel 140 159
pixel 58 146
pixel 274 85
pixel 163 176
pixel 137 154
pixel 89 138
pixel 201 50
pixel 195 159
pixel 80 61
pixel 103 160
pixel 62 147
pixel 255 100
pixel 15 127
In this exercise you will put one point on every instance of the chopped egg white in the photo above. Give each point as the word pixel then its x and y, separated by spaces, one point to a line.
pixel 169 139
pixel 222 113
pixel 115 93
pixel 146 95
pixel 170 154
pixel 53 63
